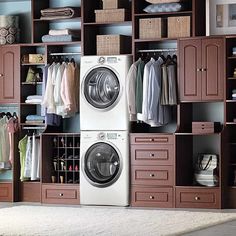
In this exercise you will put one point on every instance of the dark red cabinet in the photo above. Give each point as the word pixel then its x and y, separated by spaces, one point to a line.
pixel 9 74
pixel 201 69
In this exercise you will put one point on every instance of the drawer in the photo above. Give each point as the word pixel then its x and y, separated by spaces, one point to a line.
pixel 6 192
pixel 152 175
pixel 205 127
pixel 197 197
pixel 151 139
pixel 60 194
pixel 151 197
pixel 152 154
pixel 30 191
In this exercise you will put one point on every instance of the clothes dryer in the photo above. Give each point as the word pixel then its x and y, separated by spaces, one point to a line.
pixel 103 104
pixel 104 168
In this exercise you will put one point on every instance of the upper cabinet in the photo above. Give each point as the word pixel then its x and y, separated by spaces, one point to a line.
pixel 10 74
pixel 201 69
pixel 56 15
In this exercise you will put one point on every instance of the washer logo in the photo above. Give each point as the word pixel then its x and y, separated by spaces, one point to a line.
pixel 101 60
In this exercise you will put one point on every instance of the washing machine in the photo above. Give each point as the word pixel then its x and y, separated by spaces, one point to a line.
pixel 104 168
pixel 103 104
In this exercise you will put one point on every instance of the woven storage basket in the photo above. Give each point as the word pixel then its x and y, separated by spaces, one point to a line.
pixel 152 28
pixel 9 29
pixel 112 44
pixel 162 1
pixel 110 15
pixel 113 4
pixel 179 26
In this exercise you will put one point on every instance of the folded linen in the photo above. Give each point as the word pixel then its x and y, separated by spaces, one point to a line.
pixel 34 97
pixel 59 13
pixel 35 117
pixel 34 121
pixel 57 38
pixel 57 32
pixel 33 101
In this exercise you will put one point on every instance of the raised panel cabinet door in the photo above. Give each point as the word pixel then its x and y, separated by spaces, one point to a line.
pixel 213 69
pixel 10 74
pixel 190 70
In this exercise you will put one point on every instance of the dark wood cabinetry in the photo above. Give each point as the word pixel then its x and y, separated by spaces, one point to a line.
pixel 152 170
pixel 9 74
pixel 201 69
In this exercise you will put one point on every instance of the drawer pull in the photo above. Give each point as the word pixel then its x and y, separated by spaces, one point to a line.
pixel 152 155
pixel 152 175
pixel 151 140
pixel 151 197
pixel 61 194
pixel 197 198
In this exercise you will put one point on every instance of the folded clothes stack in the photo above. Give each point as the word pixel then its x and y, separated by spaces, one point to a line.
pixel 34 119
pixel 34 99
pixel 61 35
pixel 234 94
pixel 60 13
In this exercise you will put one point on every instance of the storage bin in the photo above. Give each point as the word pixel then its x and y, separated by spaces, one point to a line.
pixel 113 4
pixel 179 26
pixel 9 29
pixel 110 15
pixel 112 44
pixel 152 28
pixel 33 58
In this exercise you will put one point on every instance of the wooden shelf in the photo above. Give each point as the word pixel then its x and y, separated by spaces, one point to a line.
pixel 33 64
pixel 63 43
pixel 196 134
pixel 33 124
pixel 231 78
pixel 154 40
pixel 232 58
pixel 75 19
pixel 178 13
pixel 30 83
pixel 30 104
pixel 111 23
pixel 230 123
pixel 231 101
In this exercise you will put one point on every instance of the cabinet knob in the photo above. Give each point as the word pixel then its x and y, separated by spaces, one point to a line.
pixel 199 69
pixel 151 197
pixel 197 198
pixel 152 175
pixel 204 69
pixel 151 139
pixel 1 75
pixel 152 155
pixel 61 194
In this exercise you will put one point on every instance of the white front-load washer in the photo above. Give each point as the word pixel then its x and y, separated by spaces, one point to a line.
pixel 104 168
pixel 103 103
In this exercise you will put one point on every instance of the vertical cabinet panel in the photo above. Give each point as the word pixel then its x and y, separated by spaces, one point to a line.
pixel 190 76
pixel 212 65
pixel 9 74
pixel 201 69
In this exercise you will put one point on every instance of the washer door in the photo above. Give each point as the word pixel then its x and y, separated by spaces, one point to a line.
pixel 102 165
pixel 101 88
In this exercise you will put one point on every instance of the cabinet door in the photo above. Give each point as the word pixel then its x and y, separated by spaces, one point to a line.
pixel 212 69
pixel 10 74
pixel 190 70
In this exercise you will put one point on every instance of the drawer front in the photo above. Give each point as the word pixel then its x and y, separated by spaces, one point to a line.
pixel 197 198
pixel 6 192
pixel 152 155
pixel 151 197
pixel 151 139
pixel 152 175
pixel 202 127
pixel 57 194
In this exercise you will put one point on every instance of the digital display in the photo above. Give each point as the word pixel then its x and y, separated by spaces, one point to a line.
pixel 112 59
pixel 112 136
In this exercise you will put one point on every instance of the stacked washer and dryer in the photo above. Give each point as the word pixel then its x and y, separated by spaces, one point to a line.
pixel 104 124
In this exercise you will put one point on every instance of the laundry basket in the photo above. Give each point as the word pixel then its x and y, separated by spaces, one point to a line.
pixel 9 29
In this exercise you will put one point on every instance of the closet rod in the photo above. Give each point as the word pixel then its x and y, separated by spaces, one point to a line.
pixel 39 128
pixel 64 53
pixel 159 50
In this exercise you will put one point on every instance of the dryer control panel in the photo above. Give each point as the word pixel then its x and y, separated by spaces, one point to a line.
pixel 110 136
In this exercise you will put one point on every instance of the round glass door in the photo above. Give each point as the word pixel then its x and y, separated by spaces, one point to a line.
pixel 101 87
pixel 102 165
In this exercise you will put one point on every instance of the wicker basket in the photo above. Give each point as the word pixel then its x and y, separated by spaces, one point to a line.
pixel 152 28
pixel 113 4
pixel 112 44
pixel 110 15
pixel 179 26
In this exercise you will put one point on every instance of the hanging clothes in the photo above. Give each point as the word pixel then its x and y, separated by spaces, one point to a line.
pixel 4 140
pixel 28 158
pixel 35 158
pixel 130 89
pixel 22 145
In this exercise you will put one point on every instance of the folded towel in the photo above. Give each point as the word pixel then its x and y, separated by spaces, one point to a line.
pixel 33 101
pixel 35 117
pixel 57 32
pixel 58 38
pixel 60 13
pixel 34 97
pixel 34 121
